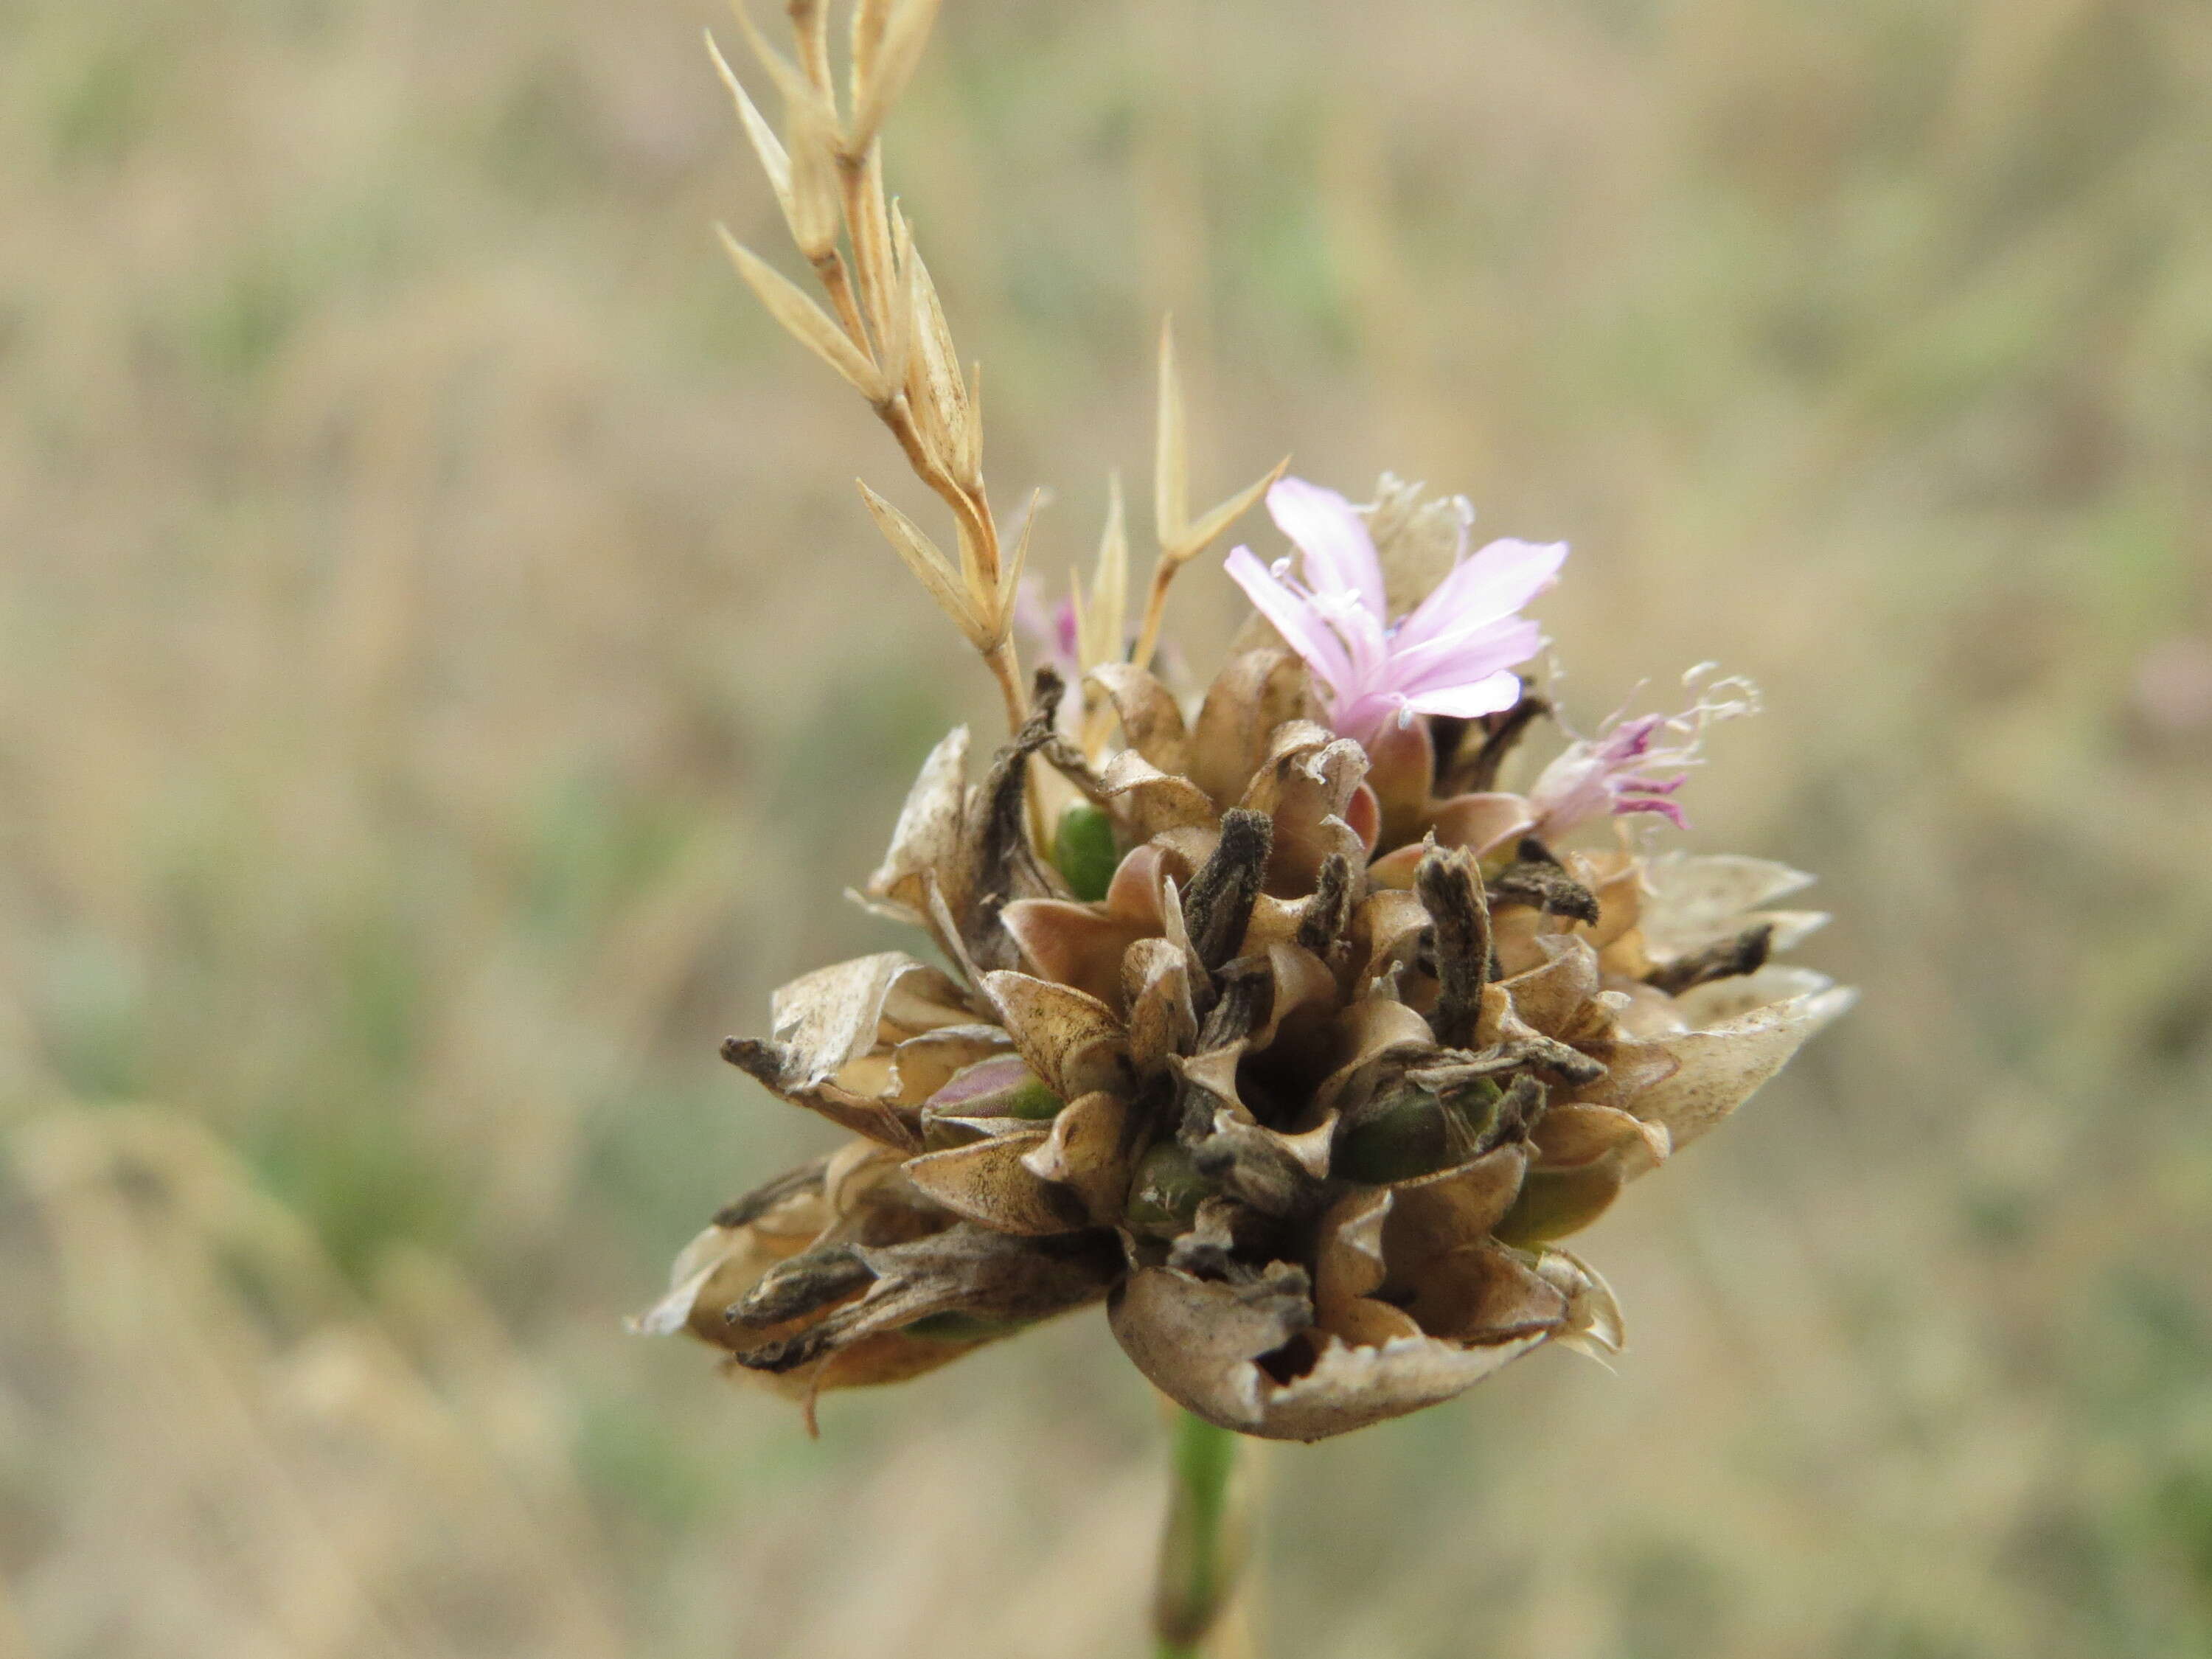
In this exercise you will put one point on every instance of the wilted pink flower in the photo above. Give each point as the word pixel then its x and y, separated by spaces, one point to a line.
pixel 1619 772
pixel 1453 654
pixel 1050 630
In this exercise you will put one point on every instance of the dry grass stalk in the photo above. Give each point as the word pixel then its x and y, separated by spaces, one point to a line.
pixel 1180 539
pixel 883 329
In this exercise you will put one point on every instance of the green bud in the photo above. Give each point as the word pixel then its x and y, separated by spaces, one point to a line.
pixel 1417 1132
pixel 1554 1203
pixel 956 1326
pixel 1164 1197
pixel 1001 1086
pixel 1083 851
pixel 1031 1100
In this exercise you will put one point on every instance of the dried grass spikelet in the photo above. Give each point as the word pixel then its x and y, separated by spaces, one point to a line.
pixel 1309 1081
pixel 879 325
pixel 882 327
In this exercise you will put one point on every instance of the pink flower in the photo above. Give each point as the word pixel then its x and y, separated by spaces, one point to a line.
pixel 1615 773
pixel 1608 774
pixel 1453 654
pixel 1050 628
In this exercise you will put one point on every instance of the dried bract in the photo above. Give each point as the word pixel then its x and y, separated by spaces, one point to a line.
pixel 1307 1065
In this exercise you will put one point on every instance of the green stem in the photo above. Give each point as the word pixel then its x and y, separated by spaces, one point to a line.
pixel 1200 1552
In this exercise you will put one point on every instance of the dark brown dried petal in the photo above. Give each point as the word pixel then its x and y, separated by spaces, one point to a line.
pixel 1450 887
pixel 991 1282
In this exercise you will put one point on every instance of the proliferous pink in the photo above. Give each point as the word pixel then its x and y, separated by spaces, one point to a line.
pixel 1453 654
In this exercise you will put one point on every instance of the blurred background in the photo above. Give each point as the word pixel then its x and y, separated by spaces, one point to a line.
pixel 446 681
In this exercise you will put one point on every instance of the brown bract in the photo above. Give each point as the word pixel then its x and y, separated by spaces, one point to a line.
pixel 1309 1093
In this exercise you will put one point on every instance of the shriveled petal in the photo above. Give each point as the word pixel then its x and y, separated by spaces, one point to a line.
pixel 728 1257
pixel 969 1283
pixel 856 1196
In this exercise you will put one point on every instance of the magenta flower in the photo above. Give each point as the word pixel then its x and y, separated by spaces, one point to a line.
pixel 1609 774
pixel 1050 628
pixel 1619 772
pixel 1453 654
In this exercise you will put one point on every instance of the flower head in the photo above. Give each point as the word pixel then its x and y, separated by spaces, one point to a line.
pixel 1453 654
pixel 1309 1105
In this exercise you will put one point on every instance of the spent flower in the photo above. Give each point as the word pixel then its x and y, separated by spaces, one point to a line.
pixel 1634 764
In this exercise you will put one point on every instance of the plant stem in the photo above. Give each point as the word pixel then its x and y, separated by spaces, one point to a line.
pixel 1201 1551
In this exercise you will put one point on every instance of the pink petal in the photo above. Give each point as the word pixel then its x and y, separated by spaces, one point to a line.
pixel 1339 554
pixel 1495 581
pixel 1292 618
pixel 1484 696
pixel 1458 659
pixel 1670 811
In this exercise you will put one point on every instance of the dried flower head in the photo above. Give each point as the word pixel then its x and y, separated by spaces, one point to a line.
pixel 1266 1016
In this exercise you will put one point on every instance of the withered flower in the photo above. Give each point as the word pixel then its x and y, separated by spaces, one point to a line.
pixel 1308 1075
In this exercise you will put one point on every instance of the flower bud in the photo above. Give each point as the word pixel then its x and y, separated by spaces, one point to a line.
pixel 1166 1191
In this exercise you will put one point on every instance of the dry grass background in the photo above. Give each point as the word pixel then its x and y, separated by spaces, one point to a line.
pixel 446 681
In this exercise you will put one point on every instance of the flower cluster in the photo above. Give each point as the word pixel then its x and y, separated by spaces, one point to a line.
pixel 1267 1015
